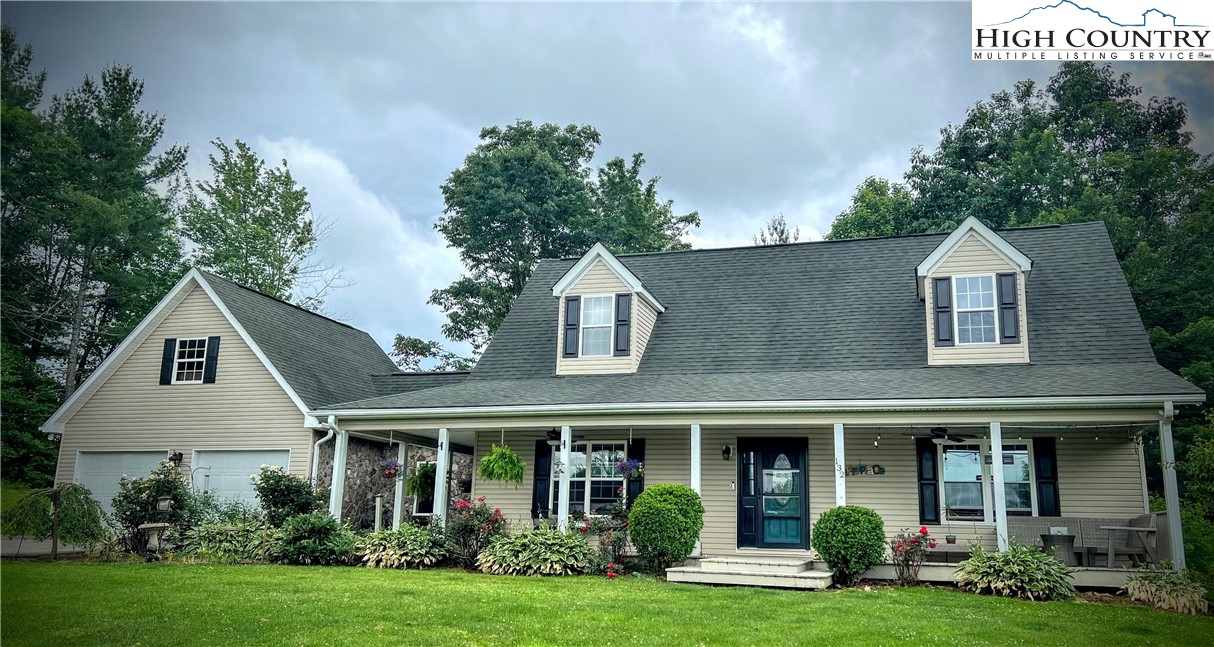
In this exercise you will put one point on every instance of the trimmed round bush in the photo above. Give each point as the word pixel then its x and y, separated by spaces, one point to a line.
pixel 851 540
pixel 664 524
pixel 313 539
pixel 1023 572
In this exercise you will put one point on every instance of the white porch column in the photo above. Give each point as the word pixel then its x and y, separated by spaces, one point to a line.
pixel 696 456
pixel 337 490
pixel 442 469
pixel 562 508
pixel 840 469
pixel 1000 494
pixel 398 500
pixel 1171 495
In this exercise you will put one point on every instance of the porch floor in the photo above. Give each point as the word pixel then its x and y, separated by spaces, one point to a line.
pixel 775 572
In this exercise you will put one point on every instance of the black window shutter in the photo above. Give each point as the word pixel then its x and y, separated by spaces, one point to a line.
pixel 1046 459
pixel 942 298
pixel 166 361
pixel 623 323
pixel 929 487
pixel 636 451
pixel 212 359
pixel 1009 314
pixel 572 310
pixel 541 480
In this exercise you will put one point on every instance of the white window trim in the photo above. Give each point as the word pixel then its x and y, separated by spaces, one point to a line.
pixel 177 361
pixel 554 482
pixel 994 309
pixel 988 481
pixel 581 326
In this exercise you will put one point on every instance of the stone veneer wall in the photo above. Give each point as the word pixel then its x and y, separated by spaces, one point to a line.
pixel 364 478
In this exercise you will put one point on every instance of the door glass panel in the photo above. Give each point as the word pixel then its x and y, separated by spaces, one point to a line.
pixel 782 506
pixel 782 463
pixel 781 481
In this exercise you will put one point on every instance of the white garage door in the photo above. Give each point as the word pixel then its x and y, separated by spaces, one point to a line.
pixel 100 471
pixel 226 472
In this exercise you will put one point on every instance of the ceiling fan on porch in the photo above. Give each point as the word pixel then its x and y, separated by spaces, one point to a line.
pixel 940 436
pixel 554 437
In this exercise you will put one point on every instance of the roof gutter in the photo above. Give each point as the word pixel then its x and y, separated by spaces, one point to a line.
pixel 791 406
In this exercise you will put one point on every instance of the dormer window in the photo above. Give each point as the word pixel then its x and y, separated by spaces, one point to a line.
pixel 597 322
pixel 975 309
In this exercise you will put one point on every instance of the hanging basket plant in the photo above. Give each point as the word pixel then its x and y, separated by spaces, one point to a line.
pixel 502 464
pixel 421 484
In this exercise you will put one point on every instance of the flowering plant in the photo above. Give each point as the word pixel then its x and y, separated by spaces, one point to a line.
pixel 630 468
pixel 470 529
pixel 391 468
pixel 611 571
pixel 909 550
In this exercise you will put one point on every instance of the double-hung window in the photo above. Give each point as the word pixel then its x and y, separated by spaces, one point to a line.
pixel 967 478
pixel 189 360
pixel 975 312
pixel 596 325
pixel 595 480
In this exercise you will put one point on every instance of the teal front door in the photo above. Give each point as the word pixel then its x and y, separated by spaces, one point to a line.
pixel 773 509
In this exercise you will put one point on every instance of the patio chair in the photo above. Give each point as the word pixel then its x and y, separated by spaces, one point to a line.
pixel 1113 537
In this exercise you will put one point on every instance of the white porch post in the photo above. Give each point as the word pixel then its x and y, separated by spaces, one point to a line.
pixel 398 500
pixel 1000 494
pixel 696 456
pixel 840 470
pixel 1171 495
pixel 337 490
pixel 562 508
pixel 441 474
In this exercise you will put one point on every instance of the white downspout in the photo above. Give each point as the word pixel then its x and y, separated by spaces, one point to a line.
pixel 316 452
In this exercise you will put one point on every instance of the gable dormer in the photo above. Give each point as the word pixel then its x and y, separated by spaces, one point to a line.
pixel 973 289
pixel 605 316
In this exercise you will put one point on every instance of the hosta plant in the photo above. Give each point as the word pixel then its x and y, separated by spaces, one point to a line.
pixel 1019 572
pixel 238 542
pixel 1166 589
pixel 544 551
pixel 409 547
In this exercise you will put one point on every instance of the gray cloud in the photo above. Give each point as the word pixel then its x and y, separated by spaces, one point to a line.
pixel 745 111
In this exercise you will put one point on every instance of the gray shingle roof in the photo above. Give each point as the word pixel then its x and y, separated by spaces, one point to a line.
pixel 415 381
pixel 325 361
pixel 826 320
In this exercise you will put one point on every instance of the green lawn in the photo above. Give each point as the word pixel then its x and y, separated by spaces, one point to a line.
pixel 81 603
pixel 11 493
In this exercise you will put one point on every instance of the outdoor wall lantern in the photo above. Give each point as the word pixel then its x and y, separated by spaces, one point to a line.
pixel 162 504
pixel 726 452
pixel 175 459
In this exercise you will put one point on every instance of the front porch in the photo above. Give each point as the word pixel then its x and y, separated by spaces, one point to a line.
pixel 1058 466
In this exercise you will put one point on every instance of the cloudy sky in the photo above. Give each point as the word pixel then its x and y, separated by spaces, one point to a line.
pixel 745 111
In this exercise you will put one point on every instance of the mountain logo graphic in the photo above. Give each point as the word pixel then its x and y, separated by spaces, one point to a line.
pixel 1060 3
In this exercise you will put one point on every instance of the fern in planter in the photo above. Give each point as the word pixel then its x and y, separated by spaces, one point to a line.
pixel 421 484
pixel 502 464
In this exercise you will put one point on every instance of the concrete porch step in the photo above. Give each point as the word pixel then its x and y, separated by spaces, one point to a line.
pixel 757 564
pixel 814 580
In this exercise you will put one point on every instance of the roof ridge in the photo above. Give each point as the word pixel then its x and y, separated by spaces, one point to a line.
pixel 212 275
pixel 820 242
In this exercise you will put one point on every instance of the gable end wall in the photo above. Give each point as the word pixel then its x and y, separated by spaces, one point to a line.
pixel 244 409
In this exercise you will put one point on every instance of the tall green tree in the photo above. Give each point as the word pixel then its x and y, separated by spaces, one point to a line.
pixel 776 232
pixel 528 192
pixel 878 208
pixel 253 224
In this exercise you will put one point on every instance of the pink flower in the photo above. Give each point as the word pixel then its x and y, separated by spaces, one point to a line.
pixel 619 490
pixel 932 545
pixel 481 499
pixel 611 575
pixel 922 530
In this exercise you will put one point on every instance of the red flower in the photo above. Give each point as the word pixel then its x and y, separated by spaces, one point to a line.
pixel 932 545
pixel 625 524
pixel 611 575
pixel 611 565
pixel 922 530
pixel 619 490
pixel 481 499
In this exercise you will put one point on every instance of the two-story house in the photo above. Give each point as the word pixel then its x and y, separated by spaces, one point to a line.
pixel 951 380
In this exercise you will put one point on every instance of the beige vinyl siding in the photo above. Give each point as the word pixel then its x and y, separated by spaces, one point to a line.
pixel 644 318
pixel 244 409
pixel 973 256
pixel 600 280
pixel 1099 478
